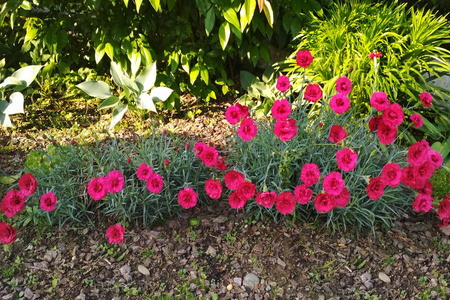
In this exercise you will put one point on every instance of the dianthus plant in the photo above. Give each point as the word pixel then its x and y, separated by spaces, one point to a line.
pixel 313 147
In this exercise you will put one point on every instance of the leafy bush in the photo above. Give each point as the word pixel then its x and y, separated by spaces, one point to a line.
pixel 441 183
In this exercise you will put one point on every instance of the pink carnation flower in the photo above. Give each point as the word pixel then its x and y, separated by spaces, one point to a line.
pixel 233 115
pixel 346 159
pixel 285 203
pixel 115 234
pixel 283 83
pixel 423 202
pixel 198 149
pixel 281 110
pixel 27 184
pixel 233 179
pixel 243 110
pixel 343 85
pixel 155 183
pixel 391 174
pixel 435 159
pixel 386 132
pixel 339 103
pixel 393 114
pixel 144 171
pixel 7 233
pixel 285 130
pixel 266 199
pixel 48 201
pixel 423 172
pixel 114 181
pixel 313 92
pixel 374 122
pixel 379 101
pixel 303 194
pixel 247 130
pixel 236 200
pixel 304 58
pixel 343 198
pixel 324 202
pixel 246 190
pixel 97 188
pixel 409 179
pixel 12 203
pixel 375 188
pixel 417 120
pixel 337 134
pixel 426 99
pixel 333 183
pixel 427 189
pixel 418 153
pixel 210 156
pixel 213 188
pixel 310 174
pixel 187 198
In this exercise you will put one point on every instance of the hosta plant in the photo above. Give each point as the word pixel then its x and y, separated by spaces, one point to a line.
pixel 15 83
pixel 132 92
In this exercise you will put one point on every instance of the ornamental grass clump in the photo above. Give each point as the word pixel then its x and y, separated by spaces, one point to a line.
pixel 312 156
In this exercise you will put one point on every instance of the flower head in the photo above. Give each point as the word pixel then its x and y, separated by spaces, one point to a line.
pixel 346 159
pixel 48 201
pixel 337 134
pixel 247 130
pixel 283 83
pixel 304 58
pixel 210 156
pixel 444 208
pixel 144 171
pixel 343 85
pixel 7 233
pixel 435 159
pixel 386 132
pixel 343 198
pixel 426 99
pixel 198 149
pixel 374 122
pixel 333 183
pixel 418 153
pixel 393 114
pixel 27 184
pixel 285 203
pixel 374 54
pixel 427 189
pixel 236 200
pixel 310 174
pixel 243 110
pixel 97 188
pixel 12 203
pixel 324 202
pixel 246 190
pixel 266 199
pixel 233 115
pixel 391 174
pixel 115 233
pixel 379 101
pixel 233 179
pixel 285 130
pixel 155 183
pixel 281 110
pixel 115 181
pixel 187 198
pixel 221 164
pixel 417 120
pixel 375 188
pixel 303 194
pixel 213 188
pixel 313 92
pixel 339 103
pixel 423 202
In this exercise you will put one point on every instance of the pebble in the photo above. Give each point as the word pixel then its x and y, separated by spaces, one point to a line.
pixel 366 278
pixel 125 270
pixel 237 281
pixel 384 277
pixel 211 251
pixel 281 263
pixel 143 270
pixel 81 296
pixel 28 293
pixel 229 287
pixel 250 280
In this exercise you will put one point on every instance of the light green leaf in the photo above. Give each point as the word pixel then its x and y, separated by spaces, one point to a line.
pixel 96 89
pixel 431 128
pixel 26 5
pixel 138 5
pixel 145 102
pixel 15 106
pixel 155 4
pixel 117 115
pixel 11 81
pixel 99 52
pixel 126 3
pixel 5 120
pixel 210 20
pixel 109 102
pixel 243 18
pixel 109 50
pixel 160 94
pixel 146 56
pixel 131 84
pixel 231 16
pixel 268 12
pixel 147 77
pixel 10 179
pixel 27 73
pixel 250 6
pixel 135 62
pixel 185 63
pixel 224 34
pixel 194 73
pixel 117 73
pixel 204 74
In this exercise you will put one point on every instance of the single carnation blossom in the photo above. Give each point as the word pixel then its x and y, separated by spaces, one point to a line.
pixel 423 203
pixel 379 101
pixel 333 183
pixel 12 203
pixel 233 115
pixel 417 120
pixel 304 58
pixel 144 171
pixel 236 200
pixel 48 201
pixel 210 156
pixel 114 181
pixel 435 159
pixel 426 99
pixel 285 130
pixel 187 198
pixel 386 132
pixel 281 110
pixel 393 114
pixel 444 208
pixel 337 134
pixel 198 149
pixel 343 85
pixel 243 110
pixel 155 183
pixel 427 189
pixel 213 188
pixel 246 190
pixel 97 188
pixel 375 188
pixel 115 233
pixel 418 153
pixel 303 194
pixel 27 184
pixel 233 179
pixel 339 103
pixel 310 174
pixel 346 159
pixel 423 172
pixel 247 130
pixel 221 164
pixel 313 92
pixel 266 199
pixel 343 198
pixel 324 202
pixel 283 83
pixel 7 233
pixel 374 122
pixel 285 203
pixel 391 174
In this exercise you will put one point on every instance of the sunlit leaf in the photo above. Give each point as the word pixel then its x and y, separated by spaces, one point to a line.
pixel 96 89
pixel 117 115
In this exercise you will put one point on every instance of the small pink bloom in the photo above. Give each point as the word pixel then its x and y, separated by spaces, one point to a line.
pixel 285 130
pixel 283 83
pixel 333 183
pixel 374 122
pixel 444 208
pixel 310 174
pixel 393 114
pixel 409 179
pixel 48 201
pixel 187 146
pixel 337 134
pixel 27 184
pixel 426 99
pixel 246 190
pixel 346 159
pixel 128 160
pixel 144 171
pixel 285 203
pixel 213 188
pixel 375 188
pixel 427 189
pixel 435 159
pixel 210 156
pixel 198 149
pixel 72 142
pixel 303 194
pixel 418 153
pixel 281 110
pixel 386 132
pixel 324 202
pixel 247 130
pixel 114 181
pixel 97 188
pixel 304 58
pixel 155 183
pixel 339 103
pixel 266 199
pixel 243 110
pixel 320 125
pixel 417 120
pixel 12 203
pixel 423 202
pixel 233 115
pixel 374 54
pixel 391 174
pixel 236 200
pixel 221 164
pixel 313 92
pixel 379 101
pixel 166 162
pixel 233 179
pixel 115 233
pixel 187 198
pixel 423 172
pixel 343 198
pixel 343 85
pixel 7 233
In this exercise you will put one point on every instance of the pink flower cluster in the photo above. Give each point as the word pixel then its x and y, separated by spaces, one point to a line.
pixel 99 187
pixel 239 113
pixel 209 156
pixel 155 181
pixel 285 128
pixel 339 102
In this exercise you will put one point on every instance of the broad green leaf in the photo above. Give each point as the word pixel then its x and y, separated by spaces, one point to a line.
pixel 247 79
pixel 117 73
pixel 171 4
pixel 160 94
pixel 99 52
pixel 96 89
pixel 144 101
pixel 231 16
pixel 126 3
pixel 117 114
pixel 155 4
pixel 135 62
pixel 11 81
pixel 210 20
pixel 268 12
pixel 27 73
pixel 243 18
pixel 109 50
pixel 147 77
pixel 185 63
pixel 109 102
pixel 431 128
pixel 131 84
pixel 204 74
pixel 146 56
pixel 138 5
pixel 250 6
pixel 15 106
pixel 26 5
pixel 194 73
pixel 10 179
pixel 5 120
pixel 224 34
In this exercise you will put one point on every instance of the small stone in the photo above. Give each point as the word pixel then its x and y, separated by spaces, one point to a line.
pixel 281 263
pixel 250 280
pixel 143 270
pixel 125 270
pixel 211 251
pixel 81 296
pixel 28 293
pixel 321 297
pixel 268 288
pixel 384 277
pixel 366 278
pixel 229 287
pixel 237 281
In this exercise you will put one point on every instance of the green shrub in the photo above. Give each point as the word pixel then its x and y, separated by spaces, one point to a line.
pixel 441 183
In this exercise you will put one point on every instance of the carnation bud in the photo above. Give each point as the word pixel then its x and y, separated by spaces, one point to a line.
pixel 188 146
pixel 129 160
pixel 184 132
pixel 165 131
pixel 351 69
pixel 26 135
pixel 178 150
pixel 3 157
pixel 54 143
pixel 320 125
pixel 166 162
pixel 72 142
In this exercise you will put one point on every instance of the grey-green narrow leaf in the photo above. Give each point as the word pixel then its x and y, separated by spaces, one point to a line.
pixel 96 89
pixel 118 113
pixel 109 102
